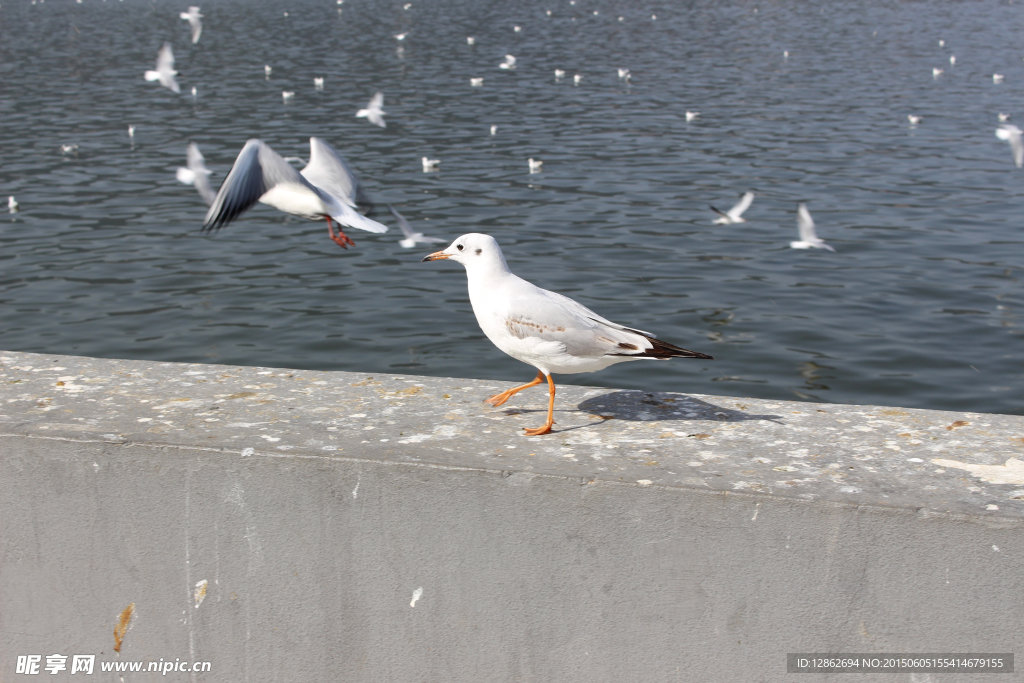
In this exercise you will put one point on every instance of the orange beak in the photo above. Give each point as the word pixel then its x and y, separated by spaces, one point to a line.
pixel 436 256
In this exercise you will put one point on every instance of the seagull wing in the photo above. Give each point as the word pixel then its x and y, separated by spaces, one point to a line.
pixel 256 170
pixel 328 171
pixel 165 68
pixel 201 175
pixel 554 322
pixel 745 201
pixel 805 224
pixel 376 102
pixel 1013 135
pixel 402 223
pixel 720 213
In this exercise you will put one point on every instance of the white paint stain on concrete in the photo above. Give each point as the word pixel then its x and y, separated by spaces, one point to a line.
pixel 246 452
pixel 200 592
pixel 1010 472
pixel 416 595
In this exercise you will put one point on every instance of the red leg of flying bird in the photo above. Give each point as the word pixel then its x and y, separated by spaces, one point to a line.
pixel 342 240
pixel 551 412
pixel 499 399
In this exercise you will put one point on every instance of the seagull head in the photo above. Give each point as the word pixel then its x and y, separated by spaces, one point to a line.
pixel 476 251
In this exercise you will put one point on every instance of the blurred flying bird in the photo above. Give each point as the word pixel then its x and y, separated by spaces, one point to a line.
pixel 287 94
pixel 164 69
pixel 691 115
pixel 325 189
pixel 476 82
pixel 509 63
pixel 1012 134
pixel 808 238
pixel 734 215
pixel 12 205
pixel 411 238
pixel 374 112
pixel 193 16
pixel 318 83
pixel 535 165
pixel 430 164
pixel 914 119
pixel 195 173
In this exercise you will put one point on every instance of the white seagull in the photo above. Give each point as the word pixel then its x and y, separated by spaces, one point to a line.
pixel 1003 118
pixel 624 73
pixel 318 83
pixel 476 82
pixel 535 165
pixel 287 94
pixel 193 16
pixel 952 60
pixel 401 36
pixel 735 214
pixel 1012 134
pixel 936 72
pixel 559 73
pixel 131 130
pixel 576 79
pixel 164 69
pixel 411 238
pixel 914 119
pixel 374 112
pixel 549 331
pixel 68 149
pixel 691 115
pixel 325 189
pixel 12 204
pixel 808 238
pixel 509 63
pixel 470 40
pixel 997 78
pixel 267 70
pixel 195 173
pixel 494 129
pixel 430 164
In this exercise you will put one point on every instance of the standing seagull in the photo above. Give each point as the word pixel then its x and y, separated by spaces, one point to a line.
pixel 196 173
pixel 808 238
pixel 549 331
pixel 374 112
pixel 734 214
pixel 324 189
pixel 1012 134
pixel 192 16
pixel 411 238
pixel 165 72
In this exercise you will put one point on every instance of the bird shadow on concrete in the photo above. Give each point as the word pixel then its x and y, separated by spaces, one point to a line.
pixel 643 406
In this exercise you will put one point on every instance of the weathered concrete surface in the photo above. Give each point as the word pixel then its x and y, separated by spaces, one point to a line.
pixel 654 537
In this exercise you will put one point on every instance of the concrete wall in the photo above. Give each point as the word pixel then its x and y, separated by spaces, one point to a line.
pixel 395 529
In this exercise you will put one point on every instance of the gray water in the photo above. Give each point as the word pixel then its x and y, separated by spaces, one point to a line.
pixel 921 305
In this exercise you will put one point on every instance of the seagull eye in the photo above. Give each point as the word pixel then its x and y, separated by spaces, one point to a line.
pixel 459 247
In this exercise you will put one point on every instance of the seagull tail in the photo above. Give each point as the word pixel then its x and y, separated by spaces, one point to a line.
pixel 661 350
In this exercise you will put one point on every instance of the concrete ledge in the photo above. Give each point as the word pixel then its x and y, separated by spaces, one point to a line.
pixel 653 537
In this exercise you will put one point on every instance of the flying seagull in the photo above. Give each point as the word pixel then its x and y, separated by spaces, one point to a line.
pixel 164 69
pixel 193 16
pixel 374 112
pixel 325 189
pixel 411 238
pixel 1012 134
pixel 195 173
pixel 734 215
pixel 808 238
pixel 549 331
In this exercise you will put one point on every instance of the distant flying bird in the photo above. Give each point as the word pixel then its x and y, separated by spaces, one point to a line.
pixel 318 83
pixel 535 165
pixel 12 205
pixel 734 215
pixel 476 82
pixel 267 70
pixel 997 78
pixel 68 149
pixel 623 73
pixel 494 129
pixel 325 189
pixel 1012 134
pixel 808 238
pixel 131 130
pixel 470 40
pixel 1003 118
pixel 374 113
pixel 936 72
pixel 942 43
pixel 517 29
pixel 193 16
pixel 576 79
pixel 287 94
pixel 691 115
pixel 914 119
pixel 411 238
pixel 194 93
pixel 952 60
pixel 165 72
pixel 401 36
pixel 559 73
pixel 195 173
pixel 430 164
pixel 509 63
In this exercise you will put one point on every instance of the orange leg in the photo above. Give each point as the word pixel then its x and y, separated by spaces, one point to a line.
pixel 499 399
pixel 551 411
pixel 342 240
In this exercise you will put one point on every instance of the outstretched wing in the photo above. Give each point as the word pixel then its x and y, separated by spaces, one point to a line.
pixel 805 224
pixel 256 170
pixel 201 176
pixel 328 171
pixel 745 201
